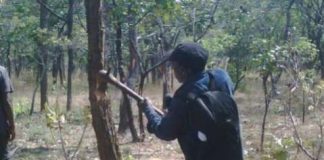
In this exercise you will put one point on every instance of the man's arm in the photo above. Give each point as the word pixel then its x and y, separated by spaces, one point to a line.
pixel 168 127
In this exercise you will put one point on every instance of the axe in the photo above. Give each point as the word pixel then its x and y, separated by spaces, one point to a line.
pixel 108 77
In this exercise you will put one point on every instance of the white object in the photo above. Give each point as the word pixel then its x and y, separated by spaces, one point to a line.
pixel 202 137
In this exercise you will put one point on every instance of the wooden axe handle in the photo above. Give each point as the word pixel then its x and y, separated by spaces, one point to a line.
pixel 107 77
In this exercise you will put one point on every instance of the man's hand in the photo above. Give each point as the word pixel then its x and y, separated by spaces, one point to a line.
pixel 152 116
pixel 145 103
pixel 167 101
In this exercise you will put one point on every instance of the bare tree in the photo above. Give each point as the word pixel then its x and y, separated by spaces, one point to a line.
pixel 43 55
pixel 70 54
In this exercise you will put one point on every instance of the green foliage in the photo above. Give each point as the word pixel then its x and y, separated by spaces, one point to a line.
pixel 80 116
pixel 21 107
pixel 54 117
pixel 218 43
pixel 128 157
pixel 278 148
pixel 300 52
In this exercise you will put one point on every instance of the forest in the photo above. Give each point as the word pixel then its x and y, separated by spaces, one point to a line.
pixel 54 50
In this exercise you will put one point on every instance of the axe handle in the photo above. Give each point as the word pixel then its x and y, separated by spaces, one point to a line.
pixel 107 77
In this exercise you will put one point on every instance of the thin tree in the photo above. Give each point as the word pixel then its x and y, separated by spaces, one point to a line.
pixel 70 54
pixel 43 54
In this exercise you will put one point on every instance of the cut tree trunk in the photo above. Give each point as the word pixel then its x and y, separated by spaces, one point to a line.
pixel 100 105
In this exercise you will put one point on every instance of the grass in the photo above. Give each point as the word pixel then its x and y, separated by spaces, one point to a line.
pixel 35 140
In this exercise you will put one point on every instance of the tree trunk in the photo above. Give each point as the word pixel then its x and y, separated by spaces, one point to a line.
pixel 288 21
pixel 56 63
pixel 164 46
pixel 321 54
pixel 43 54
pixel 133 71
pixel 122 108
pixel 100 106
pixel 123 120
pixel 61 68
pixel 8 59
pixel 154 71
pixel 18 65
pixel 267 104
pixel 70 55
pixel 125 111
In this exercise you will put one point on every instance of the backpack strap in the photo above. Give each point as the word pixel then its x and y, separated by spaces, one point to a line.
pixel 195 98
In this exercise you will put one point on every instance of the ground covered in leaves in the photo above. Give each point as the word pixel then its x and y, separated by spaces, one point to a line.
pixel 35 140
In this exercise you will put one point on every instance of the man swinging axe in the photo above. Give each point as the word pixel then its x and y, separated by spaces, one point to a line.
pixel 202 114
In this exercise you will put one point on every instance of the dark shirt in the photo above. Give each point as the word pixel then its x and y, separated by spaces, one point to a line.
pixel 176 123
pixel 5 88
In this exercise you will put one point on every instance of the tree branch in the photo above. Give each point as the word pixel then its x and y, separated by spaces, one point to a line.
pixel 298 140
pixel 51 11
pixel 81 24
pixel 211 21
pixel 144 15
pixel 80 141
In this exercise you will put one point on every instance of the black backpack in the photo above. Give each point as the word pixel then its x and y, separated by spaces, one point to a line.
pixel 214 116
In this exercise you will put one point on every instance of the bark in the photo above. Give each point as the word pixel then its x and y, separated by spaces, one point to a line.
pixel 288 20
pixel 61 69
pixel 58 63
pixel 18 66
pixel 70 55
pixel 165 45
pixel 123 120
pixel 154 72
pixel 125 111
pixel 267 101
pixel 100 105
pixel 43 54
pixel 108 54
pixel 8 59
pixel 57 68
pixel 321 53
pixel 133 70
